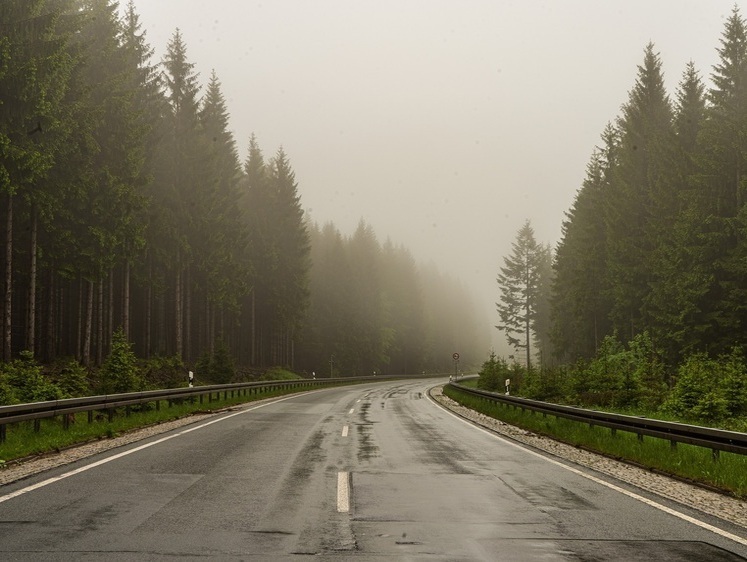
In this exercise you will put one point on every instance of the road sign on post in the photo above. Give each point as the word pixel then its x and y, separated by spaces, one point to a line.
pixel 455 357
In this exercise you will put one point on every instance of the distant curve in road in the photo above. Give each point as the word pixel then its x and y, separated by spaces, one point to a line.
pixel 364 472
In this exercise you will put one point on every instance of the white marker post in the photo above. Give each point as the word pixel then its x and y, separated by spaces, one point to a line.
pixel 508 385
pixel 191 379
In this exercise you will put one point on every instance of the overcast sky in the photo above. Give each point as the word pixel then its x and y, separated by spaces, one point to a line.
pixel 443 124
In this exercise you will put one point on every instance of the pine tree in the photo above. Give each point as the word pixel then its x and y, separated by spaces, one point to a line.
pixel 580 301
pixel 520 281
pixel 177 197
pixel 723 181
pixel 220 252
pixel 645 132
pixel 35 70
pixel 681 262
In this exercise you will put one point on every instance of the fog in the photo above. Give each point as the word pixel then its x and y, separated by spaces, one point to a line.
pixel 444 125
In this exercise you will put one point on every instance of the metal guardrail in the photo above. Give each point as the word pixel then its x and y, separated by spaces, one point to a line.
pixel 711 438
pixel 110 402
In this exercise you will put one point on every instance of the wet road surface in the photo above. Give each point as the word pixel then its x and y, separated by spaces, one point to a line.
pixel 367 472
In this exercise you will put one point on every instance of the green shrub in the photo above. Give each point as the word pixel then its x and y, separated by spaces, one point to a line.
pixel 164 372
pixel 493 374
pixel 27 381
pixel 733 383
pixel 120 372
pixel 217 368
pixel 71 377
pixel 222 367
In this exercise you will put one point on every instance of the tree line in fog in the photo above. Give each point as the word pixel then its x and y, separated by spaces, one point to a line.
pixel 126 205
pixel 656 239
pixel 651 267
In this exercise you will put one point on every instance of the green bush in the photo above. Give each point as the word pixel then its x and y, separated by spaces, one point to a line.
pixel 120 372
pixel 164 372
pixel 26 381
pixel 71 377
pixel 709 389
pixel 493 374
pixel 222 367
pixel 217 368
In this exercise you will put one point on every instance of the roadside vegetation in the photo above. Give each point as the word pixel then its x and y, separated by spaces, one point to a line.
pixel 628 379
pixel 24 380
pixel 23 440
pixel 728 472
pixel 632 379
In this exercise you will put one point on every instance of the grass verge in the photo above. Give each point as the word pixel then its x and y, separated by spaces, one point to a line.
pixel 23 441
pixel 728 472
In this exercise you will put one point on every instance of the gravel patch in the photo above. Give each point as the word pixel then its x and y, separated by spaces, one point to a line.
pixel 716 504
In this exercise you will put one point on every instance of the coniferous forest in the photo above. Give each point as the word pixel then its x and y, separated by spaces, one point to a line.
pixel 131 223
pixel 648 289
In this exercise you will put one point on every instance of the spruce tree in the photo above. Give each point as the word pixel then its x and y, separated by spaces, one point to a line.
pixel 520 282
pixel 645 132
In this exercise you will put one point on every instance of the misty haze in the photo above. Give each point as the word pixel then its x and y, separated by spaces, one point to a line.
pixel 417 280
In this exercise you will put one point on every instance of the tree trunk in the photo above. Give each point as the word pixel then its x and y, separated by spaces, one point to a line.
pixel 88 325
pixel 110 319
pixel 79 331
pixel 126 300
pixel 178 313
pixel 8 308
pixel 51 334
pixel 253 357
pixel 31 320
pixel 100 324
pixel 188 314
pixel 149 312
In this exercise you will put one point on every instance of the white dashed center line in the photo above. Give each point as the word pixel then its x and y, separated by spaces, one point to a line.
pixel 343 492
pixel 345 431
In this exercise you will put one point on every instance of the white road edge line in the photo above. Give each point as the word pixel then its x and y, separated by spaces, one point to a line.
pixel 49 481
pixel 628 493
pixel 351 410
pixel 344 430
pixel 343 492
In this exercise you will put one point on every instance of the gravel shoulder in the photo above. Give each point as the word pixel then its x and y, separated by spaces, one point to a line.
pixel 713 503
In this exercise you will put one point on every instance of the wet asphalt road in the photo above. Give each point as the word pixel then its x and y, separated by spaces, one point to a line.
pixel 368 472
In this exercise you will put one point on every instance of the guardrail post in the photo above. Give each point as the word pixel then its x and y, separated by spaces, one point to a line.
pixel 90 416
pixel 66 420
pixel 640 437
pixel 673 444
pixel 2 433
pixel 37 425
pixel 158 405
pixel 716 454
pixel 110 414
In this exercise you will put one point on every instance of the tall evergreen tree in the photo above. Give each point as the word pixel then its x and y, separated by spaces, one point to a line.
pixel 221 252
pixel 521 284
pixel 150 106
pixel 178 191
pixel 681 266
pixel 645 131
pixel 110 169
pixel 580 295
pixel 723 182
pixel 35 69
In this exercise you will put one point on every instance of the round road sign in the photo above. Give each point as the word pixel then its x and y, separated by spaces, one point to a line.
pixel 455 356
